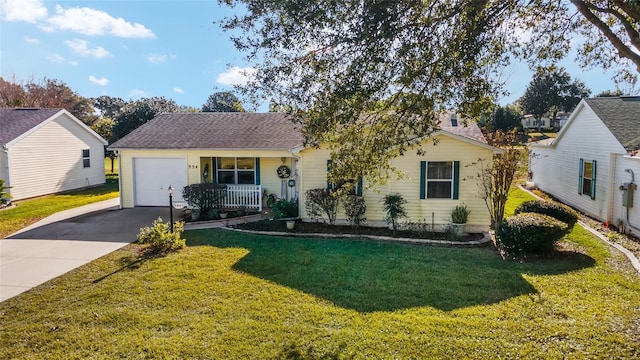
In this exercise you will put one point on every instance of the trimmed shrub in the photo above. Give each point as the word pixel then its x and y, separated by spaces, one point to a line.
pixel 550 208
pixel 530 233
pixel 206 198
pixel 160 238
pixel 354 208
pixel 321 202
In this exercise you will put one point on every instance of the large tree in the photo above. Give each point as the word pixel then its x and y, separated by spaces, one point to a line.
pixel 136 113
pixel 222 101
pixel 371 76
pixel 552 91
pixel 47 93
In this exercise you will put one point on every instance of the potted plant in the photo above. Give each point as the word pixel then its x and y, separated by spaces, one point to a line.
pixel 459 217
pixel 287 211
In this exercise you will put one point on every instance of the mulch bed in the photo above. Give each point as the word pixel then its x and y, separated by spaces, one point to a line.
pixel 322 228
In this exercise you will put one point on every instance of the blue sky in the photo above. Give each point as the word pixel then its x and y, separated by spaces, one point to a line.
pixel 144 48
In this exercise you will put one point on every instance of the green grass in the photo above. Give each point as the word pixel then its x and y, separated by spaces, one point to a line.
pixel 237 296
pixel 27 212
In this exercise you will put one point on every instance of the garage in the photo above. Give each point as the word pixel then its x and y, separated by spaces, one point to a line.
pixel 152 177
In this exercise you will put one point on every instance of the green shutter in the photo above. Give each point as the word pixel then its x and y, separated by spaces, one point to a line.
pixel 456 179
pixel 257 171
pixel 593 180
pixel 423 180
pixel 580 176
pixel 329 184
pixel 359 189
pixel 214 170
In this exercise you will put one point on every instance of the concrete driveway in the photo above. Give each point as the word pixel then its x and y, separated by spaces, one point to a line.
pixel 67 240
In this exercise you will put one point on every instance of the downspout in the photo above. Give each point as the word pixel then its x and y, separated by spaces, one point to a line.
pixel 298 175
pixel 119 177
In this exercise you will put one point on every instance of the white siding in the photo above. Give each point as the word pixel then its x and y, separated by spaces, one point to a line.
pixel 620 212
pixel 555 168
pixel 49 160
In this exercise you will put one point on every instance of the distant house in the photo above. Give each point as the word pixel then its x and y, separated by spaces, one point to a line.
pixel 257 154
pixel 593 159
pixel 529 122
pixel 47 151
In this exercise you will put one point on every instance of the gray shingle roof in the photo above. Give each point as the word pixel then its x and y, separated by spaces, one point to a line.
pixel 17 121
pixel 622 116
pixel 470 131
pixel 243 130
pixel 209 130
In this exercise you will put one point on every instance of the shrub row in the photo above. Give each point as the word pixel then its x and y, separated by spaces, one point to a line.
pixel 550 208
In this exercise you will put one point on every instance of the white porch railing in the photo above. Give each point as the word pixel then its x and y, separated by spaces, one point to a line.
pixel 247 196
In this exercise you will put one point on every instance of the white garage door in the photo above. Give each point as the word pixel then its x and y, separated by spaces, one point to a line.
pixel 152 177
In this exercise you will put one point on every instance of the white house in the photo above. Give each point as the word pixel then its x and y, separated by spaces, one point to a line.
pixel 47 151
pixel 594 160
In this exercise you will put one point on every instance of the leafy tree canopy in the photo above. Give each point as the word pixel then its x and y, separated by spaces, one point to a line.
pixel 222 101
pixel 609 93
pixel 369 77
pixel 47 93
pixel 109 106
pixel 136 113
pixel 506 118
pixel 552 91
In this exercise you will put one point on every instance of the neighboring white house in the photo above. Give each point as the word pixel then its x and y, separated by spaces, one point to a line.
pixel 593 159
pixel 47 151
pixel 529 122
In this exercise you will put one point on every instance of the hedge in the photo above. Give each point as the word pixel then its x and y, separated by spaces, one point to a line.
pixel 530 233
pixel 550 208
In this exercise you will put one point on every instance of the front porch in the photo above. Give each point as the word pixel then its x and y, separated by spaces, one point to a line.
pixel 243 196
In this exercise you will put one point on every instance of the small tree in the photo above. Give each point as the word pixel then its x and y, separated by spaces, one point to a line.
pixel 494 182
pixel 394 207
pixel 321 202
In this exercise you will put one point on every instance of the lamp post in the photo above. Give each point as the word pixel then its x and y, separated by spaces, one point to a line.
pixel 171 206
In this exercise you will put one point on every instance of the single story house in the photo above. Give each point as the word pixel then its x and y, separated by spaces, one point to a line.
pixel 46 151
pixel 264 153
pixel 594 161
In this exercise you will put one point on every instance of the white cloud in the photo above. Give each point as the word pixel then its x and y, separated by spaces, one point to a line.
pixel 31 40
pixel 160 58
pixel 177 90
pixel 137 93
pixel 56 58
pixel 236 76
pixel 88 21
pixel 23 10
pixel 102 81
pixel 81 47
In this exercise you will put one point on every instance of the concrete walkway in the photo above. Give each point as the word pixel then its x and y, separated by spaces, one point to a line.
pixel 67 240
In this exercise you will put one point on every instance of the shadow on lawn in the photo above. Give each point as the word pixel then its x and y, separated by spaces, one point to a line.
pixel 370 276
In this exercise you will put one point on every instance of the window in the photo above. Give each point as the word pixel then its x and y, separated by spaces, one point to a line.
pixel 242 170
pixel 86 158
pixel 439 179
pixel 587 182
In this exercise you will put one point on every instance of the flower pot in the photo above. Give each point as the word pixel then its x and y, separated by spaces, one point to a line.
pixel 291 224
pixel 223 215
pixel 195 214
pixel 457 229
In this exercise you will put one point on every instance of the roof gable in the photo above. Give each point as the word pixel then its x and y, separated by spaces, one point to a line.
pixel 621 115
pixel 15 122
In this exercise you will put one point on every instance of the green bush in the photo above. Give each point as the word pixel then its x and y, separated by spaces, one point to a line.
pixel 321 202
pixel 530 233
pixel 354 208
pixel 394 208
pixel 283 209
pixel 460 214
pixel 550 208
pixel 4 193
pixel 160 238
pixel 207 199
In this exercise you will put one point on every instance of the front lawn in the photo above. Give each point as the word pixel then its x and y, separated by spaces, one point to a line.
pixel 239 296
